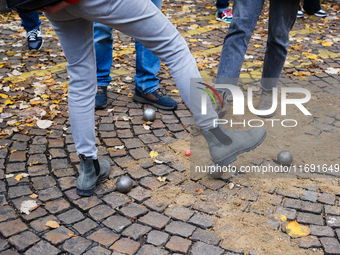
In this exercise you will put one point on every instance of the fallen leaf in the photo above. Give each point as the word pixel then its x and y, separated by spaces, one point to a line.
pixel 52 224
pixel 72 235
pixel 119 147
pixel 176 91
pixel 3 96
pixel 13 151
pixel 158 161
pixel 146 127
pixel 199 191
pixel 43 124
pixel 331 70
pixel 326 44
pixel 284 218
pixel 18 177
pixel 8 102
pixel 295 230
pixel 27 205
pixel 9 176
pixel 257 46
pixel 130 95
pixel 153 154
pixel 33 196
pixel 161 179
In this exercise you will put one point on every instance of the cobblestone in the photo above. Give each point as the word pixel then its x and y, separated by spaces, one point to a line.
pixel 178 244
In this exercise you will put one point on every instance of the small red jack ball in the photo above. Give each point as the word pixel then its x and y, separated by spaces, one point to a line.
pixel 187 152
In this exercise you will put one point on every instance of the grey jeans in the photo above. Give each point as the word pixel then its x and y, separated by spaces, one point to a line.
pixel 140 19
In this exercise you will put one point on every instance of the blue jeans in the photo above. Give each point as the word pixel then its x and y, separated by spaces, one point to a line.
pixel 282 15
pixel 222 5
pixel 147 64
pixel 30 20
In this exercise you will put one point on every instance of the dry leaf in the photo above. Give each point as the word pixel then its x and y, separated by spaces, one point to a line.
pixel 9 176
pixel 295 230
pixel 72 235
pixel 119 147
pixel 52 224
pixel 175 91
pixel 161 179
pixel 130 95
pixel 326 44
pixel 43 124
pixel 284 218
pixel 158 161
pixel 199 191
pixel 27 206
pixel 33 196
pixel 153 154
pixel 18 177
pixel 146 127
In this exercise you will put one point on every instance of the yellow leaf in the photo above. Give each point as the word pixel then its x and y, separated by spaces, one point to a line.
pixel 130 95
pixel 44 96
pixel 18 177
pixel 7 102
pixel 208 7
pixel 194 26
pixel 26 132
pixel 175 91
pixel 33 196
pixel 35 102
pixel 52 224
pixel 13 151
pixel 153 154
pixel 56 101
pixel 193 40
pixel 72 235
pixel 161 179
pixel 3 96
pixel 284 218
pixel 257 46
pixel 326 44
pixel 295 230
pixel 212 21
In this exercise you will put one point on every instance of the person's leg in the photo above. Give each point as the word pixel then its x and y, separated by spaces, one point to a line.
pixel 222 5
pixel 146 81
pixel 31 23
pixel 246 14
pixel 311 6
pixel 103 44
pixel 30 20
pixel 76 38
pixel 282 16
pixel 149 26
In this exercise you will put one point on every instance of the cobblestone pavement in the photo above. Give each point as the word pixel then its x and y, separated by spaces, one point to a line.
pixel 176 215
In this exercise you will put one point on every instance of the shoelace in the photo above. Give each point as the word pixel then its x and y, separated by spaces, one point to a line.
pixel 32 35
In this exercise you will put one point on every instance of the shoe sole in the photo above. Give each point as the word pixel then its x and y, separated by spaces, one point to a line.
pixel 145 101
pixel 233 157
pixel 320 16
pixel 89 192
pixel 225 21
pixel 100 107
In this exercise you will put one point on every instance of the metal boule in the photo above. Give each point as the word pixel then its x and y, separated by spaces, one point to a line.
pixel 124 184
pixel 149 114
pixel 285 158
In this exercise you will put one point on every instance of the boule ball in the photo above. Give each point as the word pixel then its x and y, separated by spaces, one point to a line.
pixel 285 158
pixel 124 184
pixel 149 114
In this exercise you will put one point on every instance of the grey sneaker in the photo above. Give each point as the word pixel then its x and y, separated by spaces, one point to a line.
pixel 266 102
pixel 91 172
pixel 225 145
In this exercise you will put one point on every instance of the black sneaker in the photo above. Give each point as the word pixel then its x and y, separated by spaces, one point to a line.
pixel 34 39
pixel 101 97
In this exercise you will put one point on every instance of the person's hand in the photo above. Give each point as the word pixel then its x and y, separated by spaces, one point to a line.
pixel 54 8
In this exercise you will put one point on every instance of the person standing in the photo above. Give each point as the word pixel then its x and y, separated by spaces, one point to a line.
pixel 31 23
pixel 73 20
pixel 282 16
pixel 147 67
